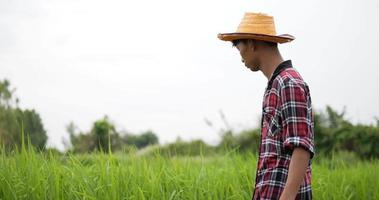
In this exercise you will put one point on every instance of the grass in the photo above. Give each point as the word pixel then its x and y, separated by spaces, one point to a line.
pixel 26 174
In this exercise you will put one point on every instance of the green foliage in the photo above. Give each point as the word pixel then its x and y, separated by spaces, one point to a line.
pixel 30 175
pixel 333 133
pixel 102 131
pixel 248 140
pixel 228 140
pixel 141 141
pixel 33 126
pixel 182 148
pixel 12 118
pixel 104 137
pixel 5 93
pixel 244 141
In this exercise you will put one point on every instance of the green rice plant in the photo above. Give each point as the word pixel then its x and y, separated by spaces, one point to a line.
pixel 28 174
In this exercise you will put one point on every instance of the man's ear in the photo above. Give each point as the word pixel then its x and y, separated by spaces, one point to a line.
pixel 252 45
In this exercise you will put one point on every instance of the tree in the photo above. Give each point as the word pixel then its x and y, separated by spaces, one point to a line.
pixel 141 141
pixel 5 93
pixel 102 131
pixel 146 138
pixel 102 137
pixel 80 142
pixel 14 120
pixel 333 133
pixel 33 127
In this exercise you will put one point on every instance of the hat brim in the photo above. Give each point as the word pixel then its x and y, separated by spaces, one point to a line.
pixel 268 38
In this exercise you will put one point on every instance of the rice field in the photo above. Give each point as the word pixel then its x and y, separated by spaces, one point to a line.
pixel 30 175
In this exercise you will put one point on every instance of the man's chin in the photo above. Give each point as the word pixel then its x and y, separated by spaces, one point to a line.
pixel 254 69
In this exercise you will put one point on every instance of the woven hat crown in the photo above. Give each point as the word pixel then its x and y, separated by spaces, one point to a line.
pixel 257 23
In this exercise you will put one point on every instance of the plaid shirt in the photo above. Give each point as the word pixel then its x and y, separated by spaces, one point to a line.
pixel 287 122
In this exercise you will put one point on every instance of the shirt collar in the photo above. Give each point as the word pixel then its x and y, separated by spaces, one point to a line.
pixel 282 66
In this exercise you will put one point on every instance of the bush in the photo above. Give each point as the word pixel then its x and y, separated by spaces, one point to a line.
pixel 181 148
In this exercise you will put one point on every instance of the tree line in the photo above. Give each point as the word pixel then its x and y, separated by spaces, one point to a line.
pixel 104 137
pixel 13 120
pixel 333 133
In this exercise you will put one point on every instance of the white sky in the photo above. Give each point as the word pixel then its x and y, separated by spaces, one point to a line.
pixel 159 65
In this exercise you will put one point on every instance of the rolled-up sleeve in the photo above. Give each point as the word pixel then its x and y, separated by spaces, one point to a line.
pixel 297 117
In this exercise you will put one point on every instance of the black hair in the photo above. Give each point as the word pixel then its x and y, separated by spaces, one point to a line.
pixel 271 44
pixel 236 42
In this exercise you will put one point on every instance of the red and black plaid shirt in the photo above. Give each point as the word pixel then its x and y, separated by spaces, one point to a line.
pixel 287 122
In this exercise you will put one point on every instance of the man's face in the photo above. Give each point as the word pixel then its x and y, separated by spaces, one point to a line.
pixel 248 54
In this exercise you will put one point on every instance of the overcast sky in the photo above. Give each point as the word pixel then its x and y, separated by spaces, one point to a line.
pixel 158 64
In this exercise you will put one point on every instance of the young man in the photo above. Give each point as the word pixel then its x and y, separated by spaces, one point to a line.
pixel 286 146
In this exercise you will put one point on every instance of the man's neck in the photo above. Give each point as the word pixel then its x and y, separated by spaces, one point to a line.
pixel 269 63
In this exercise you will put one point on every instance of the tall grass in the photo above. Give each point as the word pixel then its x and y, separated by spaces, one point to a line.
pixel 26 174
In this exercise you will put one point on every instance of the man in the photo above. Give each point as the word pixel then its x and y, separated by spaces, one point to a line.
pixel 286 146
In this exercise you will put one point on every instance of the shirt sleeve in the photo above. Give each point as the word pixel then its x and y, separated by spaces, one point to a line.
pixel 297 121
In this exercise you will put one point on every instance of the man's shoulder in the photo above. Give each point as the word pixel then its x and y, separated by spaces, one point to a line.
pixel 289 77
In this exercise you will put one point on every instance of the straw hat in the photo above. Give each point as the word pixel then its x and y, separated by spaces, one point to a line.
pixel 256 26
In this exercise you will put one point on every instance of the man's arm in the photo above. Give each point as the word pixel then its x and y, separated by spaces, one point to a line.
pixel 298 165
